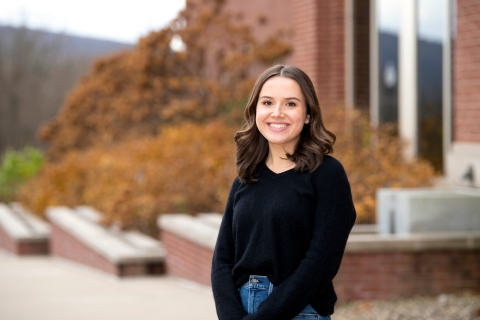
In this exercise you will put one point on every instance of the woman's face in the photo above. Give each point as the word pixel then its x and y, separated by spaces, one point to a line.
pixel 281 112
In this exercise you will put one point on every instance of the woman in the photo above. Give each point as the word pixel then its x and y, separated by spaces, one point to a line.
pixel 289 211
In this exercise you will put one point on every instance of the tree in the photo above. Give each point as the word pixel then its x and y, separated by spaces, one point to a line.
pixel 132 94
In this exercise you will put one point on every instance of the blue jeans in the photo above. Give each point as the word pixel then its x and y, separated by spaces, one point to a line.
pixel 257 289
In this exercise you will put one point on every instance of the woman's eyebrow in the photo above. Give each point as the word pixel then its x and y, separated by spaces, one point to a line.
pixel 265 97
pixel 290 98
pixel 293 98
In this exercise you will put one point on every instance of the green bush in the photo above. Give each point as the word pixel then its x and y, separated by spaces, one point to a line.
pixel 16 168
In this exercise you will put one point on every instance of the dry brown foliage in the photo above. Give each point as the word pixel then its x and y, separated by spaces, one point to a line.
pixel 186 168
pixel 189 168
pixel 373 159
pixel 132 94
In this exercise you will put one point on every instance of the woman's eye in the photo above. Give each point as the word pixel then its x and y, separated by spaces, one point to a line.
pixel 291 104
pixel 267 103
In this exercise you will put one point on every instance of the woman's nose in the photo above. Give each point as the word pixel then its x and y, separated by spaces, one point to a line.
pixel 277 112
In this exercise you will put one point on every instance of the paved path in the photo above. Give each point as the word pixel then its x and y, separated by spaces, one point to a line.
pixel 37 288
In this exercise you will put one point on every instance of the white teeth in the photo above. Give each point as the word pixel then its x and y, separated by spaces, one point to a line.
pixel 277 125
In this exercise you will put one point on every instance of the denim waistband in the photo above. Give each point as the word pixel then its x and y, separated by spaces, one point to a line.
pixel 259 283
pixel 258 288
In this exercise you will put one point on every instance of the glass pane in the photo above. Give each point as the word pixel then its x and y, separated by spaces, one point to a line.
pixel 388 29
pixel 430 52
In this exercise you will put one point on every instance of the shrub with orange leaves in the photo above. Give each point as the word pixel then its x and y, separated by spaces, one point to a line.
pixel 373 159
pixel 189 168
pixel 186 168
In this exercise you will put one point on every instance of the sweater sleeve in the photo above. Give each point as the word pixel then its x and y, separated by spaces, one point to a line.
pixel 227 298
pixel 334 218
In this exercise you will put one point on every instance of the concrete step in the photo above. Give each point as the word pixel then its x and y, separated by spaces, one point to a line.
pixel 77 235
pixel 21 232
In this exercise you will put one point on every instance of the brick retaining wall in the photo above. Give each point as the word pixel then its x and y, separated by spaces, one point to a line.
pixel 186 259
pixel 64 245
pixel 373 267
pixel 390 275
pixel 79 239
pixel 20 235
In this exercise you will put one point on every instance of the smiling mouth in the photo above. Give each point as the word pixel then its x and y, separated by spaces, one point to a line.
pixel 277 125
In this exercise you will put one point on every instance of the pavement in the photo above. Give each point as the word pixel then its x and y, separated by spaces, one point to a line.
pixel 46 287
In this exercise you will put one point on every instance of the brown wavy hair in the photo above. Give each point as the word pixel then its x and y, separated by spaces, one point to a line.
pixel 315 140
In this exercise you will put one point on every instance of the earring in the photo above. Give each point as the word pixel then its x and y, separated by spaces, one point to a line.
pixel 307 121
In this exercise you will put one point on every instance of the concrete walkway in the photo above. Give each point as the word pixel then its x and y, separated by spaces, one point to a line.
pixel 51 288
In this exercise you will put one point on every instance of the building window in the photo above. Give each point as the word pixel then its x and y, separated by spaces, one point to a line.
pixel 388 32
pixel 430 36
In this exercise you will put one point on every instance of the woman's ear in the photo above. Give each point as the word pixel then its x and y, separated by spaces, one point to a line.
pixel 307 121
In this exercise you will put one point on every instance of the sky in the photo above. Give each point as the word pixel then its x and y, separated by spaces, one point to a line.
pixel 126 21
pixel 123 21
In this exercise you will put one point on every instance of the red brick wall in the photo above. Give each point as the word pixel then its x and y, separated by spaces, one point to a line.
pixel 6 242
pixel 467 72
pixel 305 38
pixel 40 247
pixel 278 15
pixel 392 275
pixel 64 245
pixel 22 247
pixel 186 259
pixel 316 31
pixel 318 40
pixel 331 53
pixel 380 275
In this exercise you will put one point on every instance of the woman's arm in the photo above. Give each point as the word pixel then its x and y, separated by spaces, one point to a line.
pixel 334 218
pixel 227 299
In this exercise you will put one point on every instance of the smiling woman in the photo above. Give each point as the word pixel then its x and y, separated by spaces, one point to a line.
pixel 283 125
pixel 289 211
pixel 281 115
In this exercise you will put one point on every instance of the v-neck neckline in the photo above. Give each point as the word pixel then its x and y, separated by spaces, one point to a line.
pixel 275 174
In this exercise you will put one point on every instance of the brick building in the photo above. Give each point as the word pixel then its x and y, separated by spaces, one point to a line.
pixel 424 74
pixel 421 71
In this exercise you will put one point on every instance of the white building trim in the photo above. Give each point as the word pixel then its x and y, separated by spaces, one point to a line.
pixel 408 84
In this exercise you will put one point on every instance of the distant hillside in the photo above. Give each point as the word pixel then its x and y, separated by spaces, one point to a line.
pixel 37 70
pixel 70 44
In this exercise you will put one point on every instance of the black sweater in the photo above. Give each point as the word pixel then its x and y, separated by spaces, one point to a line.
pixel 293 228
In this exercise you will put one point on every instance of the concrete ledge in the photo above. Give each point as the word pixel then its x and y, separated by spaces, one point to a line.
pixel 198 230
pixel 413 242
pixel 88 213
pixel 77 236
pixel 462 157
pixel 211 219
pixel 365 229
pixel 21 232
pixel 407 211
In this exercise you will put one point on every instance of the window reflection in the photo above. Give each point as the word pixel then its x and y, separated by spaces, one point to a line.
pixel 388 29
pixel 430 33
pixel 430 30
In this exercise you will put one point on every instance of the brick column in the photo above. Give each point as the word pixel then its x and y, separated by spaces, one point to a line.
pixel 467 72
pixel 319 47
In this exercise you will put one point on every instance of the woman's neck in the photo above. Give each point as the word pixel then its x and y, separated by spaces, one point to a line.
pixel 277 160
